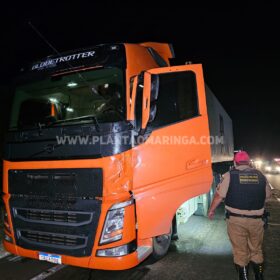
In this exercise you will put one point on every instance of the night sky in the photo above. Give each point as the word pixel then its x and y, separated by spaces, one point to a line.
pixel 237 46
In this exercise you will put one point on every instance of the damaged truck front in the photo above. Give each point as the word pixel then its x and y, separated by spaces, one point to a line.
pixel 93 176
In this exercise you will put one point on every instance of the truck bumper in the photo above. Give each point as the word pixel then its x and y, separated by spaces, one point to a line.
pixel 93 262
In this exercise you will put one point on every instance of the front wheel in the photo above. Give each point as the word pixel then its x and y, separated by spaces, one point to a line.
pixel 161 245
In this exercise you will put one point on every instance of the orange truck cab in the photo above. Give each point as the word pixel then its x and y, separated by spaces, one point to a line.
pixel 109 149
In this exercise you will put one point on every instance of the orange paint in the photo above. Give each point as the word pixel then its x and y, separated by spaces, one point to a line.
pixel 132 100
pixel 146 99
pixel 161 177
pixel 52 110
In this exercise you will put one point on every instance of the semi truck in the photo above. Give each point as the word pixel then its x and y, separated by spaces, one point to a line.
pixel 109 149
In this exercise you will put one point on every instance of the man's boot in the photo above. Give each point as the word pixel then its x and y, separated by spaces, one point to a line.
pixel 258 270
pixel 242 272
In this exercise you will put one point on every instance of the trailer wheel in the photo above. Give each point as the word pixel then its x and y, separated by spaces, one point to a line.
pixel 161 245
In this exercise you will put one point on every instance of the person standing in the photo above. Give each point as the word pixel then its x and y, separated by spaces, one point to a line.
pixel 244 191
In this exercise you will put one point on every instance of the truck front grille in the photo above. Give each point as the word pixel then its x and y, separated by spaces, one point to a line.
pixel 56 210
pixel 52 239
pixel 53 217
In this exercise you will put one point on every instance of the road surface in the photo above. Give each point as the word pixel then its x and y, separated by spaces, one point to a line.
pixel 202 252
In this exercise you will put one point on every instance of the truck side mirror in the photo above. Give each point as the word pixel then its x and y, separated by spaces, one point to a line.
pixel 154 88
pixel 153 112
pixel 150 97
pixel 146 100
pixel 154 97
pixel 143 96
pixel 136 97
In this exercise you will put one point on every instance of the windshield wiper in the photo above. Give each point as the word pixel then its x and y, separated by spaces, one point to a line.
pixel 89 117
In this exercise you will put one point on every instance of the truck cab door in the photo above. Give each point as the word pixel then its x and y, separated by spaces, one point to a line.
pixel 173 163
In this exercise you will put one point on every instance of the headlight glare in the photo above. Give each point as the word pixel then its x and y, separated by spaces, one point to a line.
pixel 268 168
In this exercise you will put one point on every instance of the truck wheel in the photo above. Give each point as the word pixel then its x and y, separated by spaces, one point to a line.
pixel 174 235
pixel 161 245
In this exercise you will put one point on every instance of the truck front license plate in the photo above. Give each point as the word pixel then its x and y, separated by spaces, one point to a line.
pixel 50 258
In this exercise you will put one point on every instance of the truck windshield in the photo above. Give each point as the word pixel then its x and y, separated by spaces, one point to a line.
pixel 99 93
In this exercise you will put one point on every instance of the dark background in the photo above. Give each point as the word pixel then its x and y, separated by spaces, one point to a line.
pixel 237 45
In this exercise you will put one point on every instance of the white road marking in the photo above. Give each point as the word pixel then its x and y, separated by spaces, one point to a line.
pixel 14 258
pixel 4 254
pixel 271 186
pixel 273 224
pixel 278 199
pixel 48 272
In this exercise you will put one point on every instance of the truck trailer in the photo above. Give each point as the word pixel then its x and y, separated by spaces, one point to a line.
pixel 108 149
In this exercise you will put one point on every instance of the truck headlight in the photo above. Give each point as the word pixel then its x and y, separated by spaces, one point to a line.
pixel 113 227
pixel 117 251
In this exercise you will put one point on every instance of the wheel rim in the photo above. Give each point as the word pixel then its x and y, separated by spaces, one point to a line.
pixel 163 240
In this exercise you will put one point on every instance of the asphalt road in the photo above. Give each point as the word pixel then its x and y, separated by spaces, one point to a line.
pixel 202 252
pixel 274 180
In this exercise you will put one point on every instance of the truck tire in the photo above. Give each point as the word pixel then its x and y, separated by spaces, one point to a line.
pixel 161 245
pixel 174 235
